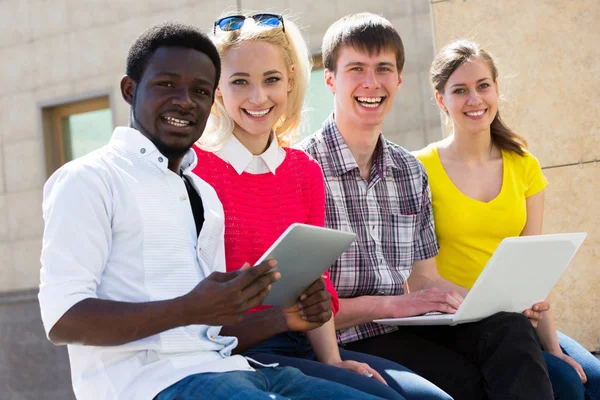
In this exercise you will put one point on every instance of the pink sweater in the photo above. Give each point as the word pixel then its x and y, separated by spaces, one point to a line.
pixel 260 207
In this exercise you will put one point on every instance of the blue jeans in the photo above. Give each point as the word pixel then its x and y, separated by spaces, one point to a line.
pixel 262 384
pixel 565 381
pixel 293 349
pixel 589 363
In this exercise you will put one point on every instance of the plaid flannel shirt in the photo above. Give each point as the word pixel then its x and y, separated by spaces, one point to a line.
pixel 391 214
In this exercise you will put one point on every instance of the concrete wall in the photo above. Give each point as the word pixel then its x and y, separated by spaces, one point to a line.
pixel 58 50
pixel 549 75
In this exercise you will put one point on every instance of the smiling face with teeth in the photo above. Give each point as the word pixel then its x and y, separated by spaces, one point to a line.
pixel 470 97
pixel 364 87
pixel 172 101
pixel 254 90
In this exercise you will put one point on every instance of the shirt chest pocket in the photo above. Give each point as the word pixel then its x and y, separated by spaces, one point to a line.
pixel 397 239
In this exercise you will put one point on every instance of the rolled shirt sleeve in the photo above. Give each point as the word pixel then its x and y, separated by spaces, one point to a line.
pixel 76 241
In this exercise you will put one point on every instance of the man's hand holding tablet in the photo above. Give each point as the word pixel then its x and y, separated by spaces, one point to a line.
pixel 303 254
pixel 312 310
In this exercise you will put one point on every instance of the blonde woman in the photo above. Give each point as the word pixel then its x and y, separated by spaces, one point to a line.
pixel 265 186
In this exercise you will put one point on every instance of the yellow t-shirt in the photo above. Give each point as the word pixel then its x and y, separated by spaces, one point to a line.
pixel 469 230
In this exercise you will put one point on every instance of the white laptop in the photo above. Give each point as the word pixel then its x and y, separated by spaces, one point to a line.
pixel 521 272
pixel 303 254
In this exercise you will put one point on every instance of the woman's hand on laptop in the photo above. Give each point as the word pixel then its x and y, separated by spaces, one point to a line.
pixel 423 301
pixel 536 312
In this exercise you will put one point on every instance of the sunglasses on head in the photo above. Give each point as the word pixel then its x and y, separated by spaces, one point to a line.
pixel 235 22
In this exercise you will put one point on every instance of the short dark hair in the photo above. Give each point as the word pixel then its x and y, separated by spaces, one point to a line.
pixel 365 32
pixel 169 34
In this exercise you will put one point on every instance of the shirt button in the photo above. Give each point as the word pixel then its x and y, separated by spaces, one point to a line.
pixel 160 159
pixel 183 198
pixel 142 150
pixel 212 337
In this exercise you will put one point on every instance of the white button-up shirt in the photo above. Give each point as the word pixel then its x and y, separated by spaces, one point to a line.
pixel 242 160
pixel 119 226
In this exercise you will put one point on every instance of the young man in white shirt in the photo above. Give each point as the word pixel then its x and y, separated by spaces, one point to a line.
pixel 133 271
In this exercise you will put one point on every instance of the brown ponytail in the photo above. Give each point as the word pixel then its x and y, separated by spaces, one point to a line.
pixel 506 139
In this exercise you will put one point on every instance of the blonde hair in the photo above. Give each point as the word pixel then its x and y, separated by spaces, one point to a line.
pixel 453 56
pixel 220 125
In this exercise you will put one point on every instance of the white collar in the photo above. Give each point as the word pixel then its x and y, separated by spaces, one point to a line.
pixel 135 142
pixel 242 160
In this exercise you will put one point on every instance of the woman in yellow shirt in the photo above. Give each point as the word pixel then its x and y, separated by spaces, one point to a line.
pixel 485 187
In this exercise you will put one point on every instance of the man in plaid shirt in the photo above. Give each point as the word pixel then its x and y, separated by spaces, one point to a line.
pixel 378 190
